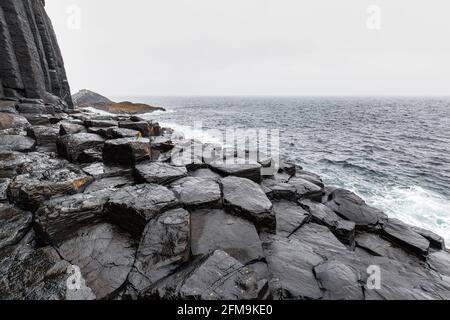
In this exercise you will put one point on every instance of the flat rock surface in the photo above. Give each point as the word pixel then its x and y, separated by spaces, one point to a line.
pixel 197 192
pixel 404 234
pixel 239 168
pixel 289 216
pixel 126 151
pixel 105 256
pixel 17 143
pixel 133 207
pixel 164 247
pixel 247 199
pixel 71 146
pixel 159 173
pixel 217 230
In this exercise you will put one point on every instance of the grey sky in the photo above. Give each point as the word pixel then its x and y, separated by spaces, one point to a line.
pixel 255 47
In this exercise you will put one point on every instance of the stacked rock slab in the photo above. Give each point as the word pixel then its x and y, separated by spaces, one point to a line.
pixel 31 64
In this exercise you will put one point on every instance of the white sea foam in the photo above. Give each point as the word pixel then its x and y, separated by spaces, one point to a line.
pixel 416 206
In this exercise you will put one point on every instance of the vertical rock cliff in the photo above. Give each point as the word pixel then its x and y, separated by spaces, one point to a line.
pixel 31 64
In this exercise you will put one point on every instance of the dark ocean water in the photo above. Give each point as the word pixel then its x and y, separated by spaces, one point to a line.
pixel 394 152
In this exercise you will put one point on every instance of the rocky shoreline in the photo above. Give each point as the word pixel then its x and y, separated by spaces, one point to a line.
pixel 110 207
pixel 101 195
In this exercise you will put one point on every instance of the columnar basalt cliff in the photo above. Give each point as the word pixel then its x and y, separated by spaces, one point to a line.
pixel 31 64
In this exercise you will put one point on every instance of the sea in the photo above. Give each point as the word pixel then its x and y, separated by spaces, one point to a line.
pixel 392 151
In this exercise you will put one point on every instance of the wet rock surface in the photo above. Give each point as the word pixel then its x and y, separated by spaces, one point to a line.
pixel 159 173
pixel 126 151
pixel 197 192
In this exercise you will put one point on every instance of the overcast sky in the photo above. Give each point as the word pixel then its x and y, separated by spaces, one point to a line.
pixel 255 47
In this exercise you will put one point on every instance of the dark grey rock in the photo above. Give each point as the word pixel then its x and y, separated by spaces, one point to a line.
pixel 216 230
pixel 406 236
pixel 196 193
pixel 28 191
pixel 436 241
pixel 338 281
pixel 344 230
pixel 45 136
pixel 70 128
pixel 14 163
pixel 14 224
pixel 245 198
pixel 147 129
pixel 105 256
pixel 205 173
pixel 289 216
pixel 291 262
pixel 287 167
pixel 58 219
pixel 216 277
pixel 100 123
pixel 162 144
pixel 351 207
pixel 71 146
pixel 99 170
pixel 159 173
pixel 17 143
pixel 29 274
pixel 276 190
pixel 110 183
pixel 238 168
pixel 127 151
pixel 133 207
pixel 8 107
pixel 188 153
pixel 164 247
pixel 306 189
pixel 119 133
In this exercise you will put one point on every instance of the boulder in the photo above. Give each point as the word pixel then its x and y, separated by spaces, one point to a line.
pixel 70 128
pixel 147 129
pixel 289 217
pixel 188 153
pixel 436 241
pixel 45 136
pixel 120 133
pixel 28 191
pixel 105 256
pixel 288 168
pixel 132 208
pixel 245 198
pixel 306 189
pixel 17 143
pixel 163 248
pixel 215 277
pixel 14 225
pixel 15 163
pixel 196 192
pixel 110 183
pixel 100 123
pixel 276 190
pixel 159 173
pixel 161 144
pixel 127 151
pixel 238 168
pixel 71 146
pixel 406 236
pixel 59 218
pixel 216 230
pixel 351 207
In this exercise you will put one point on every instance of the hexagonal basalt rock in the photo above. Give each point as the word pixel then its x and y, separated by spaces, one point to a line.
pixel 59 218
pixel 216 277
pixel 159 173
pixel 217 230
pixel 72 146
pixel 196 193
pixel 164 247
pixel 28 191
pixel 247 199
pixel 126 151
pixel 241 168
pixel 133 207
pixel 104 255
